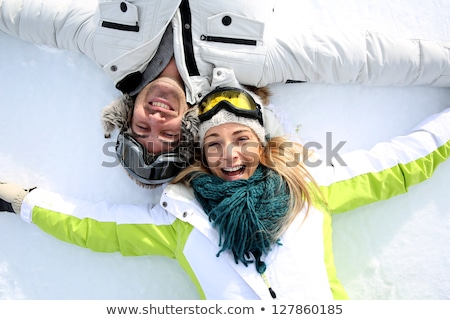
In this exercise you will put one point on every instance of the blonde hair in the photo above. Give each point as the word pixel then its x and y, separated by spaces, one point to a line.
pixel 286 158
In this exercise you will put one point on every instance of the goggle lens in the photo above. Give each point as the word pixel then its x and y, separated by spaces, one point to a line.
pixel 132 156
pixel 234 100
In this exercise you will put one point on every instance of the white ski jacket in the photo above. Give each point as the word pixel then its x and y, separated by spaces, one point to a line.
pixel 123 36
pixel 302 268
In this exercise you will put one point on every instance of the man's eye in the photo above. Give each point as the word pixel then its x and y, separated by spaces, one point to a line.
pixel 170 135
pixel 140 128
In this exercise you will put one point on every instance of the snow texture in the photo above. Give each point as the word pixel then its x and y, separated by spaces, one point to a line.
pixel 51 137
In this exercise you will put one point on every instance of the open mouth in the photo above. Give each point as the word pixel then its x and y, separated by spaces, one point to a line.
pixel 160 105
pixel 233 171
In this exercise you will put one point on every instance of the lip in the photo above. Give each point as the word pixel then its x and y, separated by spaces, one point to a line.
pixel 161 110
pixel 164 91
pixel 161 101
pixel 234 172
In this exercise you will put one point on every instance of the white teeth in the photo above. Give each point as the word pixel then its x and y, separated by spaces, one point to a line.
pixel 233 169
pixel 161 105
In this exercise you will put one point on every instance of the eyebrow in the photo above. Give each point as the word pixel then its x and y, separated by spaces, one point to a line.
pixel 240 131
pixel 234 133
pixel 211 135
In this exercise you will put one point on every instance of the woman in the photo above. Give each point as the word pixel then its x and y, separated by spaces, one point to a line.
pixel 243 221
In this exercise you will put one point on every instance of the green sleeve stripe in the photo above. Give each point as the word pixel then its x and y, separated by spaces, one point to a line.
pixel 86 233
pixel 337 289
pixel 128 239
pixel 374 186
pixel 184 230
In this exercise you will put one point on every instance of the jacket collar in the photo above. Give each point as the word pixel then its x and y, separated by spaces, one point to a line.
pixel 179 200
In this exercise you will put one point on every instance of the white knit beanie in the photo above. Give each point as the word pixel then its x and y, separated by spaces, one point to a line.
pixel 224 116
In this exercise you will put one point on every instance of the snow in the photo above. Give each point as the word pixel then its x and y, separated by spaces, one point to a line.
pixel 51 137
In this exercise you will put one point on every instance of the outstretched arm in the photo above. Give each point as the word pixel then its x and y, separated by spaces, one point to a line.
pixel 104 227
pixel 63 24
pixel 389 168
pixel 352 56
pixel 119 36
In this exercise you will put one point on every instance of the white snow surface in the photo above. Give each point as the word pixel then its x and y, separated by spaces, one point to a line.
pixel 51 137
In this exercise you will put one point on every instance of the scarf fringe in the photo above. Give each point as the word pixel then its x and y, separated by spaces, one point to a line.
pixel 246 213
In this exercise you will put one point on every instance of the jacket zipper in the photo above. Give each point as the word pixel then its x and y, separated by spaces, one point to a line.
pixel 188 47
pixel 266 281
pixel 228 40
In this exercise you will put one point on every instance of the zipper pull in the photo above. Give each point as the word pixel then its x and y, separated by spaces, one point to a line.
pixel 272 293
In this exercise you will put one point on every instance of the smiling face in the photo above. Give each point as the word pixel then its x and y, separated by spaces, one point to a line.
pixel 232 151
pixel 158 111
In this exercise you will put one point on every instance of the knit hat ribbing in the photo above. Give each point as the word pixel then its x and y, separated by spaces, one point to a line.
pixel 225 116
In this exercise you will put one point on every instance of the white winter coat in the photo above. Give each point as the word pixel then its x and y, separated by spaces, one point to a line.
pixel 302 268
pixel 123 36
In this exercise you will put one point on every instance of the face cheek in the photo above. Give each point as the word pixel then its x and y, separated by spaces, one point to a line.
pixel 139 102
pixel 252 155
pixel 174 124
pixel 214 166
pixel 251 152
pixel 138 115
pixel 183 108
pixel 212 157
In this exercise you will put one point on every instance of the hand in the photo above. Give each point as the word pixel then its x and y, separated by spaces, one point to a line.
pixel 11 197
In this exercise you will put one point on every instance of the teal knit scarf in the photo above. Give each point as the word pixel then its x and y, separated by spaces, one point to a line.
pixel 247 213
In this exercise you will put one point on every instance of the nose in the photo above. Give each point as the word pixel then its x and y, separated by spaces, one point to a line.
pixel 156 117
pixel 231 153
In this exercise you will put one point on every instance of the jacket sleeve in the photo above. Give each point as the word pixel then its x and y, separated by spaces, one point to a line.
pixel 388 169
pixel 63 24
pixel 351 56
pixel 119 36
pixel 104 227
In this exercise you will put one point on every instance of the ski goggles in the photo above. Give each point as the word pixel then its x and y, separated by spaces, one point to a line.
pixel 234 100
pixel 133 157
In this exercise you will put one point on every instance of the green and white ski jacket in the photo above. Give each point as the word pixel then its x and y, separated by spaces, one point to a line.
pixel 301 268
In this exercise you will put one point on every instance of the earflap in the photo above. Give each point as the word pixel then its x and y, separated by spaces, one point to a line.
pixel 117 115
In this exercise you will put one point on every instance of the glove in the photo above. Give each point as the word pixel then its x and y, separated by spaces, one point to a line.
pixel 5 206
pixel 11 197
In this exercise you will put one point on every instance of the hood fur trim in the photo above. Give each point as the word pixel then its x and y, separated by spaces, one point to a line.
pixel 117 115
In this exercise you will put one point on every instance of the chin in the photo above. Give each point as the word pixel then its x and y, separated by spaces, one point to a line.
pixel 234 178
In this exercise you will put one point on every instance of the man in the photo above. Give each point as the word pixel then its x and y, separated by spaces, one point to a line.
pixel 211 44
pixel 158 110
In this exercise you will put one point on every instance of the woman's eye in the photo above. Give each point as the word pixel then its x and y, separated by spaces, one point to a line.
pixel 242 139
pixel 211 144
